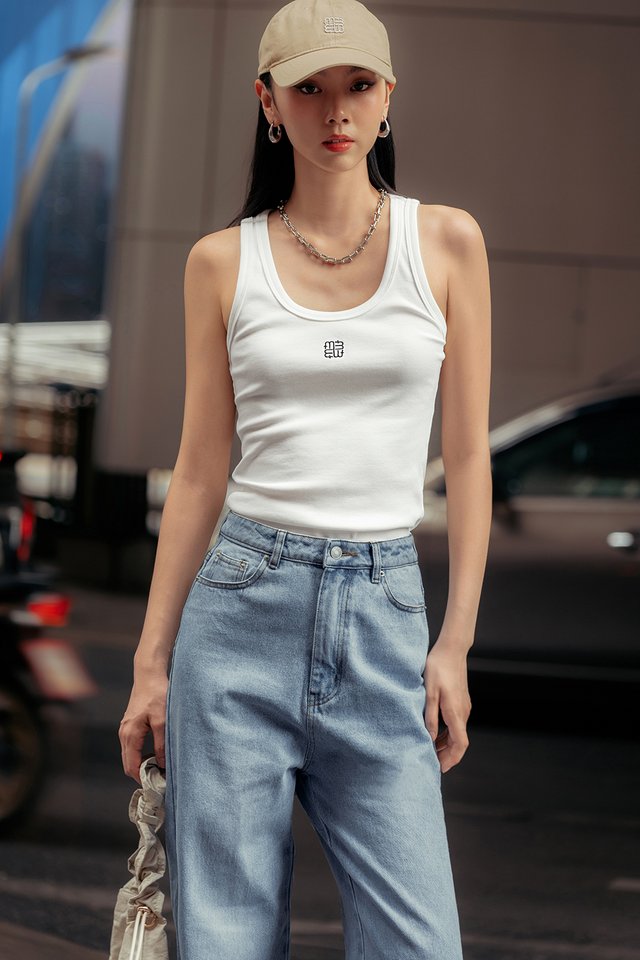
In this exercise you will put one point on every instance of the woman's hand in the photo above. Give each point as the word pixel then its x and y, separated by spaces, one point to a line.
pixel 447 691
pixel 145 711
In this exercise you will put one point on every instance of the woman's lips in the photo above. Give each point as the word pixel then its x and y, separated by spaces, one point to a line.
pixel 337 146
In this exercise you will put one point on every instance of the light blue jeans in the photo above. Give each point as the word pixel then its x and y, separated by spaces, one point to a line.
pixel 297 669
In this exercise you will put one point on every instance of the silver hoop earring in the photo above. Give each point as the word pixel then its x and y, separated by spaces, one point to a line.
pixel 274 137
pixel 386 130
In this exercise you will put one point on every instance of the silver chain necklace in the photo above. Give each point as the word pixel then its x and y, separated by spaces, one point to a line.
pixel 323 256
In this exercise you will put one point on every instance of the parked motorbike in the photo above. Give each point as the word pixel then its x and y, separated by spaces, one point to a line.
pixel 38 668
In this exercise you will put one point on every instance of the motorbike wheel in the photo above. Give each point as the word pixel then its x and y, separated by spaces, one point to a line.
pixel 22 755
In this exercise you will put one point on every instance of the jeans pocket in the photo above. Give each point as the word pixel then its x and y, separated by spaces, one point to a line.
pixel 232 565
pixel 404 587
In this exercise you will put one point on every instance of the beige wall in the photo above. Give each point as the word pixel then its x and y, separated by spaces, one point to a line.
pixel 526 118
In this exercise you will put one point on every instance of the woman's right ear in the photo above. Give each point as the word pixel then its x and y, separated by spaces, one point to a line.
pixel 266 97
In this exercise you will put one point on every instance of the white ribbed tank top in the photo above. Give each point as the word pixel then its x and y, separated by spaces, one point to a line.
pixel 334 408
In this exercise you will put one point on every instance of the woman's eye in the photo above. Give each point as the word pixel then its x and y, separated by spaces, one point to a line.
pixel 367 84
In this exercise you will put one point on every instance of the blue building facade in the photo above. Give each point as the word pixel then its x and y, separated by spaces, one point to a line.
pixel 73 143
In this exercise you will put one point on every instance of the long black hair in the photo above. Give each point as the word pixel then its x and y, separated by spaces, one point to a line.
pixel 272 169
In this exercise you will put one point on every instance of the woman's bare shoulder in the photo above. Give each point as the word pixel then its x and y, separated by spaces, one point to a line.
pixel 456 230
pixel 450 241
pixel 218 256
pixel 219 248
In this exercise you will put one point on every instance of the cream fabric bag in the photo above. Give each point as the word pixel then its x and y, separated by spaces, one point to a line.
pixel 138 925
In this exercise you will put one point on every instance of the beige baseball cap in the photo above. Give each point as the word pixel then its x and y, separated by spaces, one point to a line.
pixel 309 35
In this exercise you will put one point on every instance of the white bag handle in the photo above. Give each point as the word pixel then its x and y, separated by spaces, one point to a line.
pixel 145 917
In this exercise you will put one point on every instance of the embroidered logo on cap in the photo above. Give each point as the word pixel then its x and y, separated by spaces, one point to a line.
pixel 334 24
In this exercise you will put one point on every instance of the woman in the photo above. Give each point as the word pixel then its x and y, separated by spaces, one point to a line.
pixel 300 658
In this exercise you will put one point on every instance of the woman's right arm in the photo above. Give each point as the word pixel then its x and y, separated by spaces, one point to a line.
pixel 195 498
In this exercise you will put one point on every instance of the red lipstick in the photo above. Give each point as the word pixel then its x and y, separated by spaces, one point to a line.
pixel 338 144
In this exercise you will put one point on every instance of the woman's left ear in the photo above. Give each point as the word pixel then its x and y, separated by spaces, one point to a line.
pixel 390 89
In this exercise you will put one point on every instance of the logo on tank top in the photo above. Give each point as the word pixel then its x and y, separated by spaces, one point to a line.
pixel 334 24
pixel 334 348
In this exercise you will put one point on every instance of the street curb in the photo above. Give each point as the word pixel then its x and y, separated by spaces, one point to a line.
pixel 18 943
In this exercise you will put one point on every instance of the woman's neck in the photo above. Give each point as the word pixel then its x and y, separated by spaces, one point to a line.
pixel 332 205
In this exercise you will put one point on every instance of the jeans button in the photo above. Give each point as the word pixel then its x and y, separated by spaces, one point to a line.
pixel 336 552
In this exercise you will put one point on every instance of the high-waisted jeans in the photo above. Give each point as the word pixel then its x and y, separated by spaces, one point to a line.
pixel 298 669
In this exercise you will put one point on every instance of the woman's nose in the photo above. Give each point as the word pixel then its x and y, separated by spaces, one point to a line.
pixel 336 114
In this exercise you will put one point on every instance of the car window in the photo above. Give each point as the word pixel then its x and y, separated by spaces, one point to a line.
pixel 595 453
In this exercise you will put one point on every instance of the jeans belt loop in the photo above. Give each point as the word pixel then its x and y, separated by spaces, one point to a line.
pixel 278 545
pixel 376 562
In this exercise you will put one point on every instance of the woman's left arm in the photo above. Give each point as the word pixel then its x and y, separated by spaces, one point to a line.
pixel 464 390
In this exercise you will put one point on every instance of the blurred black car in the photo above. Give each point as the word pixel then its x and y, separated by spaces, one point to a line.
pixel 558 630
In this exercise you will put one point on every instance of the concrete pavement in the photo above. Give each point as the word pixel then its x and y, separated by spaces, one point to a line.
pixel 17 943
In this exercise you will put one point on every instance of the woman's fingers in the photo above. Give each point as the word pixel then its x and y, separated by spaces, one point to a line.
pixel 431 715
pixel 447 694
pixel 158 741
pixel 452 743
pixel 132 735
pixel 145 713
